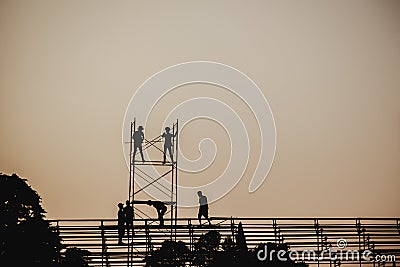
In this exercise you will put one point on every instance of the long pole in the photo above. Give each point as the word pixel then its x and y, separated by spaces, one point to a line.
pixel 130 189
pixel 172 184
pixel 130 165
pixel 131 193
pixel 176 172
pixel 133 170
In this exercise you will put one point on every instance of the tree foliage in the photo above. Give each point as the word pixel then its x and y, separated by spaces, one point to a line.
pixel 26 238
pixel 210 252
pixel 75 257
pixel 171 254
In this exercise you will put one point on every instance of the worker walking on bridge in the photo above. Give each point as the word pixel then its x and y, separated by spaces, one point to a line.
pixel 203 209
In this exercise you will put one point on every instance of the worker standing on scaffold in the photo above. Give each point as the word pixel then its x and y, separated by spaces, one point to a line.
pixel 129 216
pixel 121 223
pixel 168 144
pixel 138 137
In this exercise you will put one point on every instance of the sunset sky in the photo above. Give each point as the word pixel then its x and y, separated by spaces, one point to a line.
pixel 330 71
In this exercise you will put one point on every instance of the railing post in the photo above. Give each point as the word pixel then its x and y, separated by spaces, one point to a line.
pixel 317 231
pixel 102 242
pixel 233 228
pixel 359 231
pixel 398 225
pixel 57 227
pixel 275 226
pixel 147 232
pixel 58 234
pixel 191 245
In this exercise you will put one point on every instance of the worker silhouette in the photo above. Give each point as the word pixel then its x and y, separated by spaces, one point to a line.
pixel 128 214
pixel 168 144
pixel 121 223
pixel 161 209
pixel 138 137
pixel 203 209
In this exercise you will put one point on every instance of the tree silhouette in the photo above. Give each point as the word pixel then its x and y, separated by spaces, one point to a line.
pixel 228 245
pixel 206 248
pixel 235 255
pixel 171 254
pixel 26 239
pixel 241 243
pixel 75 257
pixel 209 252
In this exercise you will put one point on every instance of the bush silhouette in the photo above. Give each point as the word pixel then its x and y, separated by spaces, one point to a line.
pixel 26 238
pixel 170 254
pixel 75 257
pixel 209 252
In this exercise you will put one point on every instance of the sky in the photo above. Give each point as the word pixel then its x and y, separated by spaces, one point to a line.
pixel 330 71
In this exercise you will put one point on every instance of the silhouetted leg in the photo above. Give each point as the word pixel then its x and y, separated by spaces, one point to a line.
pixel 199 217
pixel 127 229
pixel 165 153
pixel 162 213
pixel 161 218
pixel 170 154
pixel 134 153
pixel 141 153
pixel 208 219
pixel 121 232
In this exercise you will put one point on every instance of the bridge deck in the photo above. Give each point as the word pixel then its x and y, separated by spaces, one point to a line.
pixel 100 237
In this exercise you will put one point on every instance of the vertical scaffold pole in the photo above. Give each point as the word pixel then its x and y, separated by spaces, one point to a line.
pixel 133 170
pixel 172 194
pixel 130 164
pixel 131 190
pixel 176 174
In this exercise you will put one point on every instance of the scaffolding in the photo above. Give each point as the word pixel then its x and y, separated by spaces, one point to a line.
pixel 137 170
pixel 381 236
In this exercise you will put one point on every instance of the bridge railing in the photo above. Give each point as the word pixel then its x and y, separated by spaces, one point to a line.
pixel 100 237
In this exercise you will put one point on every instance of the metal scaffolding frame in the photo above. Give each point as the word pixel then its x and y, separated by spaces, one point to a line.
pixel 137 170
pixel 381 236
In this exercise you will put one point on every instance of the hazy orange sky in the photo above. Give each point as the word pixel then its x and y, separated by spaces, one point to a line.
pixel 329 69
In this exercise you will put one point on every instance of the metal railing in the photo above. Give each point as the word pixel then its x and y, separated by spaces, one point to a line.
pixel 381 236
